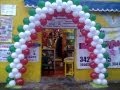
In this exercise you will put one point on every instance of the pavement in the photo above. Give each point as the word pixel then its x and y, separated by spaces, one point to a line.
pixel 61 83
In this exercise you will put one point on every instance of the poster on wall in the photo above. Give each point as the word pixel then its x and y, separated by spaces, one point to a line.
pixel 112 39
pixel 4 52
pixel 6 23
pixel 34 54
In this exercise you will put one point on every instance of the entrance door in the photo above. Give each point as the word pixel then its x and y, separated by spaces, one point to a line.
pixel 57 45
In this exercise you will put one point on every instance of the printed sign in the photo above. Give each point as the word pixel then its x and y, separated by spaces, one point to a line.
pixel 113 41
pixel 4 52
pixel 6 28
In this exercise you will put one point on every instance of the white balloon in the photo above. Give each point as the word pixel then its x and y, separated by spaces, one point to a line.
pixel 18 51
pixel 93 23
pixel 101 76
pixel 38 10
pixel 96 51
pixel 43 16
pixel 95 38
pixel 73 7
pixel 22 41
pixel 22 35
pixel 67 9
pixel 103 60
pixel 19 65
pixel 28 38
pixel 100 65
pixel 32 18
pixel 59 2
pixel 97 32
pixel 100 56
pixel 16 60
pixel 100 41
pixel 17 45
pixel 81 20
pixel 14 70
pixel 59 9
pixel 50 11
pixel 69 3
pixel 75 14
pixel 37 23
pixel 54 5
pixel 31 25
pixel 98 46
pixel 81 14
pixel 88 21
pixel 79 8
pixel 98 81
pixel 23 47
pixel 25 27
pixel 44 10
pixel 87 15
pixel 18 75
pixel 12 65
pixel 103 70
pixel 32 31
pixel 12 83
pixel 27 33
pixel 97 70
pixel 21 56
pixel 11 75
pixel 37 17
pixel 103 50
pixel 104 82
pixel 47 4
pixel 93 43
pixel 14 55
pixel 64 5
pixel 92 29
pixel 97 61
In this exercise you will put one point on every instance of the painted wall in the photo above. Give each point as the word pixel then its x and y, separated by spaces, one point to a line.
pixel 33 68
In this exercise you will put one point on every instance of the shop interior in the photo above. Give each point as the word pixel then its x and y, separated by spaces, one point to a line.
pixel 57 46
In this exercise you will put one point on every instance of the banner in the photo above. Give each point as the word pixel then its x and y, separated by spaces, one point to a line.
pixel 6 26
pixel 112 39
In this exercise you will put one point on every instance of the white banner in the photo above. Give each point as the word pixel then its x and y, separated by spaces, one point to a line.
pixel 112 38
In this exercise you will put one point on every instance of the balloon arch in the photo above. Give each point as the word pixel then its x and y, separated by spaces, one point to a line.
pixel 34 24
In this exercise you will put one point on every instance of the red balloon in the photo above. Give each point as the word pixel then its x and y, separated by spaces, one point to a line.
pixel 49 17
pixel 23 69
pixel 75 20
pixel 29 43
pixel 33 36
pixel 38 28
pixel 88 40
pixel 43 22
pixel 94 75
pixel 69 15
pixel 20 81
pixel 84 32
pixel 92 56
pixel 26 52
pixel 24 61
pixel 92 64
pixel 90 48
pixel 80 25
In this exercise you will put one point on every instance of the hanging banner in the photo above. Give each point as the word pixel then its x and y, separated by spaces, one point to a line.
pixel 6 28
pixel 112 39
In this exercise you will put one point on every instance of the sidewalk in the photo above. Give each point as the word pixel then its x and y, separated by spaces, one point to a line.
pixel 61 84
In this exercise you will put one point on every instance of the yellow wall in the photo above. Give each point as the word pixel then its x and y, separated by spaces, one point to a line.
pixel 34 71
pixel 33 68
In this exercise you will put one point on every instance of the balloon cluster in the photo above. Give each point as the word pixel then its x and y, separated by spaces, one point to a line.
pixel 38 19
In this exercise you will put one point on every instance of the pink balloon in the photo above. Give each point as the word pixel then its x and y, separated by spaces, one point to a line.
pixel 84 32
pixel 80 25
pixel 92 64
pixel 43 22
pixel 75 20
pixel 92 56
pixel 90 48
pixel 88 40
pixel 69 15
pixel 94 75
pixel 55 13
pixel 49 17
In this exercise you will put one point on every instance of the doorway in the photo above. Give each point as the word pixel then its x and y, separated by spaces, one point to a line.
pixel 57 46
